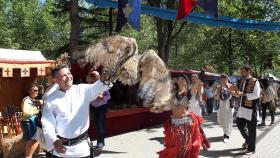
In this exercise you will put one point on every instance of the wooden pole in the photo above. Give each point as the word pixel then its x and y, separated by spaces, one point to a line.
pixel 1 133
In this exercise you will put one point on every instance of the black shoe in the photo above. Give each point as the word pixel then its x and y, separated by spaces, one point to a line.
pixel 226 136
pixel 245 152
pixel 245 146
pixel 250 152
pixel 261 124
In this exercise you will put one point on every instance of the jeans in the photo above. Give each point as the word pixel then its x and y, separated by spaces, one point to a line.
pixel 99 117
pixel 209 105
pixel 248 130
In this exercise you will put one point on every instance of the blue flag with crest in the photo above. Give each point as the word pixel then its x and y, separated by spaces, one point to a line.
pixel 128 11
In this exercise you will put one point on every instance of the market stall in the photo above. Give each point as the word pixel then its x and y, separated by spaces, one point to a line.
pixel 19 68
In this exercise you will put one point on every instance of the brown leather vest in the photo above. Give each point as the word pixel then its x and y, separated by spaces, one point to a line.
pixel 249 88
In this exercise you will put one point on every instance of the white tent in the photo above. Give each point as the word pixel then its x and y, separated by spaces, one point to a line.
pixel 269 75
pixel 21 55
pixel 24 60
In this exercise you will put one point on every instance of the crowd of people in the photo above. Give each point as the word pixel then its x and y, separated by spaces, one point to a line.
pixel 245 101
pixel 59 117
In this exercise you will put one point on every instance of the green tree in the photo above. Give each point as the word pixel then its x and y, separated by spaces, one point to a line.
pixel 87 23
pixel 227 49
pixel 30 25
pixel 167 30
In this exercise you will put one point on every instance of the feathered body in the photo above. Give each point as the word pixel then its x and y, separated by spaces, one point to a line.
pixel 120 59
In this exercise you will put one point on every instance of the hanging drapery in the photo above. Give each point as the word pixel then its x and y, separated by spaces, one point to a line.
pixel 170 14
pixel 8 67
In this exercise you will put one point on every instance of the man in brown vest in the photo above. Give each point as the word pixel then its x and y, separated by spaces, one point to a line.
pixel 249 93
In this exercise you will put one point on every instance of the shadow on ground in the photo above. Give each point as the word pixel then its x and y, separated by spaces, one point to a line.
pixel 215 139
pixel 108 152
pixel 159 139
pixel 220 153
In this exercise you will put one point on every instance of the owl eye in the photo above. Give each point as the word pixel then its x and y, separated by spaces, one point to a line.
pixel 127 50
pixel 123 69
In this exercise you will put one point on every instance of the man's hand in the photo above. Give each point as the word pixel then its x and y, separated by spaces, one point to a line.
pixel 233 93
pixel 100 97
pixel 241 94
pixel 59 147
pixel 237 93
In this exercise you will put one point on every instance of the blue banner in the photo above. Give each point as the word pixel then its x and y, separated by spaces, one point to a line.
pixel 204 19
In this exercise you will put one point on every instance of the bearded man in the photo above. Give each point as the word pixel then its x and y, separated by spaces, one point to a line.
pixel 249 93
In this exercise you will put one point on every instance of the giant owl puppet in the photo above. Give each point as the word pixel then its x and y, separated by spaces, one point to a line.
pixel 121 61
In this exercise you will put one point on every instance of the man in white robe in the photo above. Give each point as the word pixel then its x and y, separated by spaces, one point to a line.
pixel 225 110
pixel 51 88
pixel 65 117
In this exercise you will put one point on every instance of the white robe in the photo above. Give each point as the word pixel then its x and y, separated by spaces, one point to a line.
pixel 50 90
pixel 67 115
pixel 39 132
pixel 225 116
pixel 194 106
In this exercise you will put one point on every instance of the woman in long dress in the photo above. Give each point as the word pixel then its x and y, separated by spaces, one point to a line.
pixel 196 90
pixel 183 134
pixel 225 110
